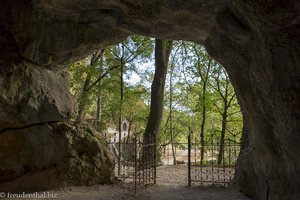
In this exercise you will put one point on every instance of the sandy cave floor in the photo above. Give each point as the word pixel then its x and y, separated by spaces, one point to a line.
pixel 171 184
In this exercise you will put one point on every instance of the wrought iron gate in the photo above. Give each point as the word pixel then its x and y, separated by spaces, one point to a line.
pixel 135 159
pixel 208 166
pixel 145 169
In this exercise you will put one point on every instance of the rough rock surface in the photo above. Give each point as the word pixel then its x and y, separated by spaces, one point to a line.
pixel 262 56
pixel 51 155
pixel 30 94
pixel 256 40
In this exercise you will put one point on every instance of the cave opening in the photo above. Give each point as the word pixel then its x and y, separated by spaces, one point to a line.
pixel 112 89
pixel 257 42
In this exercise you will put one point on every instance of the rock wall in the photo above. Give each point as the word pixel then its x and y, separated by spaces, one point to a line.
pixel 262 63
pixel 52 155
pixel 31 94
pixel 257 41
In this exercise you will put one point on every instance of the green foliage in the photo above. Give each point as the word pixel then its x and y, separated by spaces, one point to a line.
pixel 130 53
pixel 190 66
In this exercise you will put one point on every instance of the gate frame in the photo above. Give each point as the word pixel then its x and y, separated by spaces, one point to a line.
pixel 148 168
pixel 213 183
pixel 144 167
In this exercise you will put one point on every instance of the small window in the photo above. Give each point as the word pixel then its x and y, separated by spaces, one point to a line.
pixel 124 127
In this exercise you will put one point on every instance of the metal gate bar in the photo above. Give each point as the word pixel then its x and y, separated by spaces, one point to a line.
pixel 145 171
pixel 135 159
pixel 216 169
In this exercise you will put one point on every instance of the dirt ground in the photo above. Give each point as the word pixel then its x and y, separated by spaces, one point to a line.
pixel 171 185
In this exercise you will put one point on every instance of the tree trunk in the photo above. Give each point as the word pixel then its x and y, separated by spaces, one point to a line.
pixel 222 138
pixel 99 107
pixel 203 123
pixel 227 98
pixel 88 85
pixel 121 108
pixel 205 82
pixel 162 53
pixel 170 115
pixel 99 100
pixel 83 99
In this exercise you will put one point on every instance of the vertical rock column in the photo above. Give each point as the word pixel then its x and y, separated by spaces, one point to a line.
pixel 264 71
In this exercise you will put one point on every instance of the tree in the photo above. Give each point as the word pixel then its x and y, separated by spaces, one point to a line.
pixel 203 68
pixel 192 99
pixel 135 109
pixel 197 86
pixel 162 52
pixel 94 64
pixel 224 89
pixel 124 53
pixel 171 108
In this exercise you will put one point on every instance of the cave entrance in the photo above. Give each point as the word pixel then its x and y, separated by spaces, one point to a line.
pixel 112 87
pixel 258 42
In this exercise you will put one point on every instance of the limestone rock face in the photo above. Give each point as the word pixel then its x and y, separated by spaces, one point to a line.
pixel 53 155
pixel 54 33
pixel 262 58
pixel 30 94
pixel 257 41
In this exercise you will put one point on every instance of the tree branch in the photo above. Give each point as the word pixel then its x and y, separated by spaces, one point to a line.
pixel 218 109
pixel 101 77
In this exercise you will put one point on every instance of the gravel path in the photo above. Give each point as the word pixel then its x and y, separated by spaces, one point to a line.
pixel 158 192
pixel 171 185
pixel 172 175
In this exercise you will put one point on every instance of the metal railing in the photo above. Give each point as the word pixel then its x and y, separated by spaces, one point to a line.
pixel 206 165
pixel 134 159
pixel 213 166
